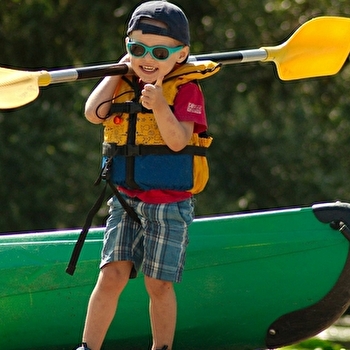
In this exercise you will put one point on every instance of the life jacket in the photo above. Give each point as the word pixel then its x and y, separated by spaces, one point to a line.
pixel 141 159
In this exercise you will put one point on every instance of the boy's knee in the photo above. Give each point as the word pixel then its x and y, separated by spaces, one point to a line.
pixel 158 288
pixel 115 274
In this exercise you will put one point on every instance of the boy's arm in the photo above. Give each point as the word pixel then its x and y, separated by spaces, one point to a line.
pixel 103 92
pixel 175 134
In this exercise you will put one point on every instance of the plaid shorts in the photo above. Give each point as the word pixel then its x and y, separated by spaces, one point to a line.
pixel 157 247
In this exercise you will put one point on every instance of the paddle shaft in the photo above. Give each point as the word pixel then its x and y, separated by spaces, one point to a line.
pixel 233 56
pixel 73 74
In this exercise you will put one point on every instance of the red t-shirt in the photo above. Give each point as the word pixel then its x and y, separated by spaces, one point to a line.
pixel 188 106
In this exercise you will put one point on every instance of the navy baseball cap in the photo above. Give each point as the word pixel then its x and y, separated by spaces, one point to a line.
pixel 171 15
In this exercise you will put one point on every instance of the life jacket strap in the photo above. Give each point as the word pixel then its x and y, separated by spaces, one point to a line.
pixel 112 149
pixel 129 107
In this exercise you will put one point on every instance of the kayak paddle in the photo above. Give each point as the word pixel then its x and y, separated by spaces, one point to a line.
pixel 319 47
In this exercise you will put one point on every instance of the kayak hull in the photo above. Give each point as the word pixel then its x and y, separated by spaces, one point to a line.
pixel 252 281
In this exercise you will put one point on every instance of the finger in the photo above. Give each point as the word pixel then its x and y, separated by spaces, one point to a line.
pixel 159 81
pixel 125 58
pixel 148 87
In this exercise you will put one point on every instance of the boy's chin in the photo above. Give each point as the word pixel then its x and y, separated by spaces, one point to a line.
pixel 148 80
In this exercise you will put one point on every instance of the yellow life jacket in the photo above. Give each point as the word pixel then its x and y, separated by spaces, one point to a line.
pixel 141 159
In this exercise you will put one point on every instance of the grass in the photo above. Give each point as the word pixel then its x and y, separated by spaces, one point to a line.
pixel 315 344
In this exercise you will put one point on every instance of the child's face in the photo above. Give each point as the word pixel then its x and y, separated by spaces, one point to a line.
pixel 148 68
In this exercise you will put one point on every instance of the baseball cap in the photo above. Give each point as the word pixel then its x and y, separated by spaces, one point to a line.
pixel 171 15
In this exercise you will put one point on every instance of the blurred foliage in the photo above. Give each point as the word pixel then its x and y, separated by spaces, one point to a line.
pixel 275 144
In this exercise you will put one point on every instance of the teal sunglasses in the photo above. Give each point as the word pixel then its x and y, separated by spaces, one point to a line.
pixel 158 52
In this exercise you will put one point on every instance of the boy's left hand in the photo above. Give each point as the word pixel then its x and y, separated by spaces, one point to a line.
pixel 152 95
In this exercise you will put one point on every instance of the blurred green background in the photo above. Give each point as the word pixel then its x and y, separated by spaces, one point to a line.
pixel 276 144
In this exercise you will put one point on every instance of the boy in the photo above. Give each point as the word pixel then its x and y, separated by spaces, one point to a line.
pixel 153 120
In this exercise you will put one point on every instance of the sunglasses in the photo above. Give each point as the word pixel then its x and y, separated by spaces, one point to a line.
pixel 158 52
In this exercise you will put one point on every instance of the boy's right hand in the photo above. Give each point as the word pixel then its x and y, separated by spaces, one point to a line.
pixel 152 95
pixel 125 58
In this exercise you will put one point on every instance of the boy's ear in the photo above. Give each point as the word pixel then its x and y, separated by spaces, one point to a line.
pixel 183 54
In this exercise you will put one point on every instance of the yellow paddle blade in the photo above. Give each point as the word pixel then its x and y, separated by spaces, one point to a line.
pixel 318 48
pixel 18 88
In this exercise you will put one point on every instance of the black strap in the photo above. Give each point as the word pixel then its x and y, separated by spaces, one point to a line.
pixel 131 139
pixel 110 149
pixel 131 212
pixel 80 242
pixel 130 107
pixel 104 175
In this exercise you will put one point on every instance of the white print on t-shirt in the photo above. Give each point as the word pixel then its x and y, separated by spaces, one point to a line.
pixel 193 108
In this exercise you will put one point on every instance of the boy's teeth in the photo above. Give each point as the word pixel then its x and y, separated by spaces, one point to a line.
pixel 149 69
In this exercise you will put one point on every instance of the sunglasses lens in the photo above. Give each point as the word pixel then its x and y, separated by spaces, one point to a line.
pixel 137 50
pixel 160 53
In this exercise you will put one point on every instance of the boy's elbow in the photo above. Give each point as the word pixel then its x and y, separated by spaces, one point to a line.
pixel 179 141
pixel 177 146
pixel 90 115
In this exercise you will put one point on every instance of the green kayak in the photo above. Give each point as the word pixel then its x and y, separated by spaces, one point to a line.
pixel 252 281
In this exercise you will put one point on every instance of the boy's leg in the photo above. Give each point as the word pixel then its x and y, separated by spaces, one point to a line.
pixel 165 242
pixel 162 312
pixel 103 302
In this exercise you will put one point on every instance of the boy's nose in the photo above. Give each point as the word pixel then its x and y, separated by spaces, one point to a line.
pixel 148 55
